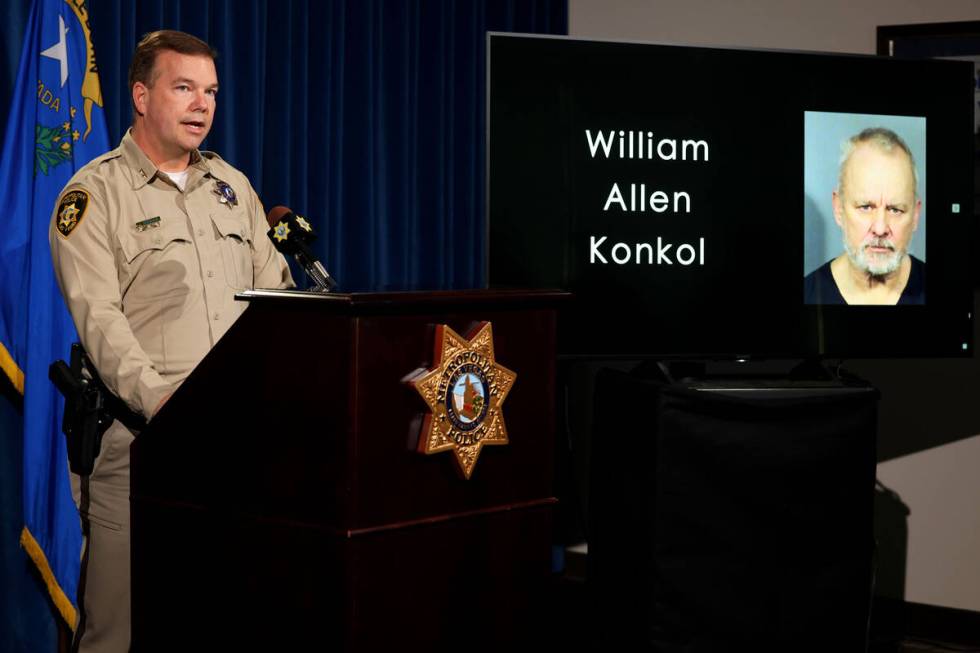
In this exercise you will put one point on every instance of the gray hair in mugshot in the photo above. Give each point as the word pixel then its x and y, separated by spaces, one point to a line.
pixel 882 138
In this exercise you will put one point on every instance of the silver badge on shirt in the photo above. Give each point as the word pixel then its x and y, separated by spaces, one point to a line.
pixel 225 193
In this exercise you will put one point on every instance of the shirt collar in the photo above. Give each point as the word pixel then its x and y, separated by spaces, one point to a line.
pixel 145 170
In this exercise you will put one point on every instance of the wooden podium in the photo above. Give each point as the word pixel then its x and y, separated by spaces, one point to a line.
pixel 279 502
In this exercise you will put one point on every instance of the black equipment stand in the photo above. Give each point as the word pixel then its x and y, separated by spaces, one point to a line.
pixel 731 513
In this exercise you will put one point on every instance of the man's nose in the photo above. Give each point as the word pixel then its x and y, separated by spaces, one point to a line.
pixel 879 223
pixel 200 101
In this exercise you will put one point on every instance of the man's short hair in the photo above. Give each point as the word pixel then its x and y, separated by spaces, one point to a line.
pixel 882 138
pixel 152 44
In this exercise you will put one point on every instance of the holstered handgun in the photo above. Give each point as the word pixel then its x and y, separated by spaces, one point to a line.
pixel 89 409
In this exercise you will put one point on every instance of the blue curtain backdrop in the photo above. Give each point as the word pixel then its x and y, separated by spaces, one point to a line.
pixel 367 116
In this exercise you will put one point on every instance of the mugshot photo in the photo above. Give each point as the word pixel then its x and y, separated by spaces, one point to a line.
pixel 864 209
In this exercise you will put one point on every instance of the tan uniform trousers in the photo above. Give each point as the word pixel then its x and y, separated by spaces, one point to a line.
pixel 104 587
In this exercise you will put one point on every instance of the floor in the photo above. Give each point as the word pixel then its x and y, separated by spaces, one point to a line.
pixel 571 599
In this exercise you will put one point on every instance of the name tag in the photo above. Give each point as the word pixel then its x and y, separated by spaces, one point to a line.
pixel 150 223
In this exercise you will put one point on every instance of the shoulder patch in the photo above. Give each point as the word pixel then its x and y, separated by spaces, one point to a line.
pixel 71 210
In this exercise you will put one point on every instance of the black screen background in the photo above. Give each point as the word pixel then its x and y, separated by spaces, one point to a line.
pixel 546 196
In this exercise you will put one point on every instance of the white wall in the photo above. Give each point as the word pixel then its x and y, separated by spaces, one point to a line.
pixel 827 25
pixel 923 402
pixel 941 490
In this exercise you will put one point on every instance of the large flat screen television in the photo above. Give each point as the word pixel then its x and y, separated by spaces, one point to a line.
pixel 723 203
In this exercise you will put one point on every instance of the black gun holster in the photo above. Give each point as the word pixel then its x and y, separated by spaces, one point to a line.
pixel 89 409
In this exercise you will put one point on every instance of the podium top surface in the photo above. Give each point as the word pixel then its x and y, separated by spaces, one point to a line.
pixel 382 300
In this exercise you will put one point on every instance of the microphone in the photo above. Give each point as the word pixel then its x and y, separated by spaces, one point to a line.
pixel 291 234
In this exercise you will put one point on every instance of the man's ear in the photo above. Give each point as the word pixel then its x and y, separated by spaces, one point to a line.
pixel 915 214
pixel 140 93
pixel 839 209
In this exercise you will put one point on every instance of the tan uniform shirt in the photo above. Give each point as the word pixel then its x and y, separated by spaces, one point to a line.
pixel 149 272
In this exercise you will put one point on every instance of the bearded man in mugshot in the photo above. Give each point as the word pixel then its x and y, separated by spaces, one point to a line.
pixel 877 207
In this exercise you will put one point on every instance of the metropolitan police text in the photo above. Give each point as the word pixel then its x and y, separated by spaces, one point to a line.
pixel 637 198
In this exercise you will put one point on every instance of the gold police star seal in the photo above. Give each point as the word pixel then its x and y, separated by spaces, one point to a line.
pixel 465 392
pixel 281 231
pixel 301 221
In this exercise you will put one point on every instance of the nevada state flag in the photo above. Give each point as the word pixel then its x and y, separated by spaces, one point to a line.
pixel 56 125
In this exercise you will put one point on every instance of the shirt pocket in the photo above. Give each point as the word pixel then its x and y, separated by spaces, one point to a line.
pixel 161 262
pixel 235 244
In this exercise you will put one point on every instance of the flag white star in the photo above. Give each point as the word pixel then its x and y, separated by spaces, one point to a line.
pixel 59 50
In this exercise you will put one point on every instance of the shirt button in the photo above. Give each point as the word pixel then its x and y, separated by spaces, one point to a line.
pixel 200 232
pixel 216 316
pixel 211 274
